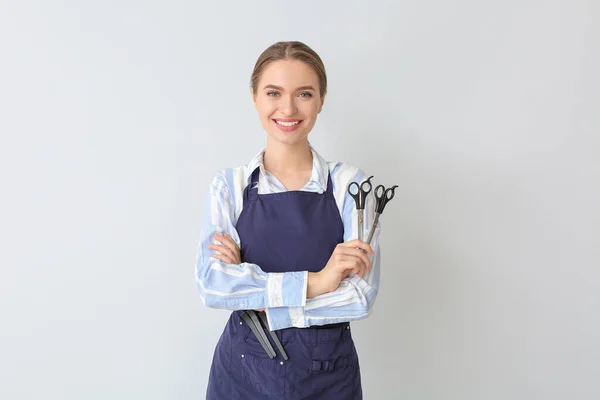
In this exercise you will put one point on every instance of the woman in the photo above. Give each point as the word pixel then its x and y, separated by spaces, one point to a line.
pixel 279 236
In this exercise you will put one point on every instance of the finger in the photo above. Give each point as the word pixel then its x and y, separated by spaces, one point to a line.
pixel 356 253
pixel 359 268
pixel 227 235
pixel 227 241
pixel 357 243
pixel 231 244
pixel 353 265
pixel 363 256
pixel 360 253
pixel 223 258
pixel 348 261
pixel 223 250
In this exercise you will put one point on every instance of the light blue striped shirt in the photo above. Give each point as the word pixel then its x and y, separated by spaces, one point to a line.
pixel 283 295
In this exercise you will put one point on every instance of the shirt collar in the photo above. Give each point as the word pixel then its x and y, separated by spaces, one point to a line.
pixel 318 177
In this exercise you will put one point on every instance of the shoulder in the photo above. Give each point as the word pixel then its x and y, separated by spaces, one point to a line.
pixel 342 173
pixel 230 179
pixel 236 178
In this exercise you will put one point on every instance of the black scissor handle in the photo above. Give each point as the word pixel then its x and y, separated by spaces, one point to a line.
pixel 366 182
pixel 356 195
pixel 361 193
pixel 383 196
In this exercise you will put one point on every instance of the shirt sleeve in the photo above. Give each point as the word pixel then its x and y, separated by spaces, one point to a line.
pixel 238 286
pixel 355 296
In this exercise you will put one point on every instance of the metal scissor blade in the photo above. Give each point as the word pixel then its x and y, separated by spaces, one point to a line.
pixel 372 231
pixel 361 219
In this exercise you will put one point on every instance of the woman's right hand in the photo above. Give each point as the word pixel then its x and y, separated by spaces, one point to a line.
pixel 349 257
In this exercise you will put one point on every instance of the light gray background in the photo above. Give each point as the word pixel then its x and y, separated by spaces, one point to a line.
pixel 115 115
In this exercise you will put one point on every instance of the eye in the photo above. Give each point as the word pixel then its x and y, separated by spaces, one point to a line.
pixel 306 95
pixel 272 93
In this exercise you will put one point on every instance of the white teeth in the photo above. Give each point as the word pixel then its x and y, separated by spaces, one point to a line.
pixel 287 123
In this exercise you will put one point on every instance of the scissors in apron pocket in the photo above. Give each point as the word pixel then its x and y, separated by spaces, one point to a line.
pixel 251 318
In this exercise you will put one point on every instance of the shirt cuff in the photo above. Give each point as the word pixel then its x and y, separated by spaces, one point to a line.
pixel 285 317
pixel 287 289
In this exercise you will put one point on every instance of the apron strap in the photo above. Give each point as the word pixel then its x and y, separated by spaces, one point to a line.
pixel 251 191
pixel 329 191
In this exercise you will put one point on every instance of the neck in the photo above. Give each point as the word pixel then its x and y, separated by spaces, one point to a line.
pixel 279 157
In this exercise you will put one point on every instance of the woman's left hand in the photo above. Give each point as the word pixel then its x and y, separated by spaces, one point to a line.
pixel 227 251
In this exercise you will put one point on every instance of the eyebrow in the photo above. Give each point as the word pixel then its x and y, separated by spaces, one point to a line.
pixel 305 87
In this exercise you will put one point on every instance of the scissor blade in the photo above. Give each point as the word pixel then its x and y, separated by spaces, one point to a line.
pixel 256 328
pixel 372 231
pixel 263 318
pixel 263 336
pixel 361 219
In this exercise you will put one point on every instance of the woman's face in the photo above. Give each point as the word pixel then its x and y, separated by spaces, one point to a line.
pixel 287 100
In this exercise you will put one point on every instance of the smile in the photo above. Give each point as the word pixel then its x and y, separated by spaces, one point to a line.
pixel 284 123
pixel 287 125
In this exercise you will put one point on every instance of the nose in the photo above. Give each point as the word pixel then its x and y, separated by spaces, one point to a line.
pixel 288 106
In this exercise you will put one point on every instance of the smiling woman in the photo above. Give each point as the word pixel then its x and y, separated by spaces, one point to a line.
pixel 279 247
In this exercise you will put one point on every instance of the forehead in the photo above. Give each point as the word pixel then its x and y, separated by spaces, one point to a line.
pixel 289 73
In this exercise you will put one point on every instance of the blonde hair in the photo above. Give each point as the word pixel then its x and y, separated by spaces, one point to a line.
pixel 290 51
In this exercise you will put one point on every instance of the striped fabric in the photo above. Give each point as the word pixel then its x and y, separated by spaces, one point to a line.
pixel 283 295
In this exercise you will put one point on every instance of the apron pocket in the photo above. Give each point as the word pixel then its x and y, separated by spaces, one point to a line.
pixel 263 374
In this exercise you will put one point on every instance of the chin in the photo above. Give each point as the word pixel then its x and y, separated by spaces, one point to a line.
pixel 288 140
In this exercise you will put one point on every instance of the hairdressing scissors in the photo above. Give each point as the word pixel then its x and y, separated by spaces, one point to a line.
pixel 253 322
pixel 382 197
pixel 359 199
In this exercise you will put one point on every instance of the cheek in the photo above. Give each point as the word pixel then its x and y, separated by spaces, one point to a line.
pixel 310 109
pixel 264 108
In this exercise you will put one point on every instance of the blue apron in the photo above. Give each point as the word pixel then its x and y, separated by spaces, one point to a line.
pixel 283 232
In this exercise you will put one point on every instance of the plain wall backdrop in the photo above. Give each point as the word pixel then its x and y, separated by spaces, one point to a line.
pixel 115 116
